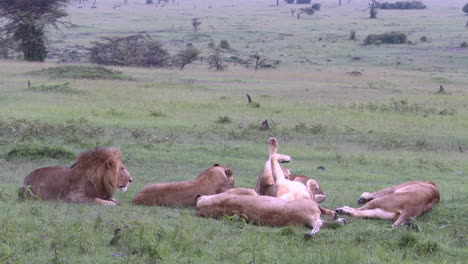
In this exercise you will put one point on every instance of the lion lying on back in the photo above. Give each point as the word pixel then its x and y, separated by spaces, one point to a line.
pixel 214 180
pixel 277 181
pixel 399 203
pixel 92 179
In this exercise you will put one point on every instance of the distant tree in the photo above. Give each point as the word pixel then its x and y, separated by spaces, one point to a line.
pixel 26 22
pixel 316 6
pixel 196 23
pixel 289 1
pixel 186 56
pixel 134 50
pixel 215 60
pixel 373 4
pixel 303 2
pixel 149 2
pixel 258 61
pixel 465 9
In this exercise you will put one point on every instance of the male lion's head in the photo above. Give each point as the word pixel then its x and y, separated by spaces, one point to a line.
pixel 103 172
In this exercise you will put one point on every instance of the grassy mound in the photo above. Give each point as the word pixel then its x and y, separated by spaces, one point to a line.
pixel 83 72
pixel 58 88
pixel 34 151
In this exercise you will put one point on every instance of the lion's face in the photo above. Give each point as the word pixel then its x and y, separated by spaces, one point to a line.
pixel 125 178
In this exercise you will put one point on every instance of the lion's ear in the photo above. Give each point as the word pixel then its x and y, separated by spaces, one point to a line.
pixel 110 164
pixel 228 172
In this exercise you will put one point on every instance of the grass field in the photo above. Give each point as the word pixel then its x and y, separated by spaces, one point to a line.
pixel 381 128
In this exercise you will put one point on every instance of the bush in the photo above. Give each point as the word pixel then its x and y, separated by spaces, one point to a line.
pixel 289 1
pixel 39 151
pixel 224 44
pixel 352 35
pixel 386 38
pixel 423 39
pixel 465 8
pixel 464 44
pixel 135 50
pixel 316 6
pixel 224 120
pixel 402 5
pixel 303 2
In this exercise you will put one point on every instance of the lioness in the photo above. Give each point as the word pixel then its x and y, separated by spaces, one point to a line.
pixel 400 202
pixel 92 179
pixel 265 210
pixel 214 180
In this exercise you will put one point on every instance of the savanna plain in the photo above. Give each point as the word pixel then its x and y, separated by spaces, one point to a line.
pixel 371 115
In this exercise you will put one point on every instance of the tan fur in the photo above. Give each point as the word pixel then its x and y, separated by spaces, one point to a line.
pixel 285 189
pixel 398 203
pixel 264 210
pixel 92 179
pixel 214 180
pixel 312 185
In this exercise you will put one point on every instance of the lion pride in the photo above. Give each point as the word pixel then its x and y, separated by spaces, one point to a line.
pixel 92 179
pixel 398 203
pixel 214 180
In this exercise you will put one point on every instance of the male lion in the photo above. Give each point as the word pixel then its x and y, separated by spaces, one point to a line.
pixel 214 180
pixel 400 202
pixel 265 210
pixel 93 178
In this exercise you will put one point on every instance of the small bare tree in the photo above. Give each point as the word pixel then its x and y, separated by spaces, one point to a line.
pixel 259 61
pixel 196 23
pixel 215 61
pixel 373 8
pixel 293 11
pixel 299 13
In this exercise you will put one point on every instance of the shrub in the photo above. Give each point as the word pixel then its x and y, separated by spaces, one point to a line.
pixel 423 39
pixel 186 56
pixel 352 35
pixel 402 5
pixel 224 120
pixel 289 1
pixel 224 44
pixel 303 2
pixel 135 50
pixel 464 44
pixel 38 151
pixel 316 6
pixel 386 38
pixel 465 8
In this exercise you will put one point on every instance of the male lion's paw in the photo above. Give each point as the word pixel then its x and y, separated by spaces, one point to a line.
pixel 308 236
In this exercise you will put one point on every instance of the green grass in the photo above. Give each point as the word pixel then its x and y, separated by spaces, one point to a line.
pixel 370 131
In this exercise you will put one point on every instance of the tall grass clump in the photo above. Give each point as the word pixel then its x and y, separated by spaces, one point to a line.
pixel 35 151
pixel 83 72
